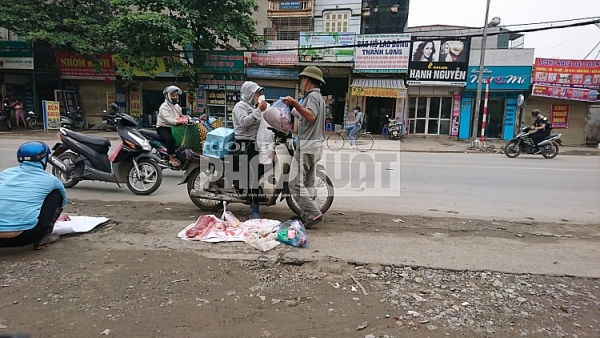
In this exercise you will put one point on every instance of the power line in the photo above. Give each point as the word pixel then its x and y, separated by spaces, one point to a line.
pixel 591 51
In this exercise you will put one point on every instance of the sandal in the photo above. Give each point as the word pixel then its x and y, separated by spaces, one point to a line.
pixel 176 164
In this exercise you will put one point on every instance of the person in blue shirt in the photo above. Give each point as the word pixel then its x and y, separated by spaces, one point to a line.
pixel 34 197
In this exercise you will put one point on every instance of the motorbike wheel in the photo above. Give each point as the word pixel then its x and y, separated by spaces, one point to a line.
pixel 66 179
pixel 150 180
pixel 512 149
pixel 550 150
pixel 32 123
pixel 323 196
pixel 195 182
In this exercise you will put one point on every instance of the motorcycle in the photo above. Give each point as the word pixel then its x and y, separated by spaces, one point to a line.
pixel 393 129
pixel 208 188
pixel 108 121
pixel 523 144
pixel 79 157
pixel 5 119
pixel 33 121
pixel 74 120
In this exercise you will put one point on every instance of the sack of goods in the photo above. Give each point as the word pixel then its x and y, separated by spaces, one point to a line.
pixel 279 116
pixel 219 143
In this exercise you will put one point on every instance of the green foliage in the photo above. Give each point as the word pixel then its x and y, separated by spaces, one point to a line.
pixel 154 28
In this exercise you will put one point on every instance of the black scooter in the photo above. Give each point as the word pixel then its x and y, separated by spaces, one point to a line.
pixel 80 157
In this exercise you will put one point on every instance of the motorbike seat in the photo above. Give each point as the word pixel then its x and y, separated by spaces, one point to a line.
pixel 549 137
pixel 150 134
pixel 99 144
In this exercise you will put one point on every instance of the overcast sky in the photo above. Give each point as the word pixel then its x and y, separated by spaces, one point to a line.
pixel 566 43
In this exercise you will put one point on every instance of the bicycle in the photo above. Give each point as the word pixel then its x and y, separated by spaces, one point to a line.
pixel 363 140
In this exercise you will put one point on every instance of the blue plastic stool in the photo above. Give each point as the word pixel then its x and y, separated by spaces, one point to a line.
pixel 384 130
pixel 329 126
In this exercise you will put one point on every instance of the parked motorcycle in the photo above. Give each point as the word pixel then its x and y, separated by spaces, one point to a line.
pixel 33 121
pixel 393 129
pixel 74 120
pixel 5 119
pixel 80 157
pixel 208 188
pixel 523 144
pixel 108 120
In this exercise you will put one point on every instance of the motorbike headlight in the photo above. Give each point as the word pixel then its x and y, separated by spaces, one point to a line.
pixel 146 145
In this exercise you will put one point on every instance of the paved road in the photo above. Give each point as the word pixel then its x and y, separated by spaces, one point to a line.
pixel 479 186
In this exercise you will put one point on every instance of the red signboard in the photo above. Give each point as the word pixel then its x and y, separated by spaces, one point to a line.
pixel 575 73
pixel 560 116
pixel 568 93
pixel 75 66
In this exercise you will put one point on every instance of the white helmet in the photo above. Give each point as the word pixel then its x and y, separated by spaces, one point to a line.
pixel 167 93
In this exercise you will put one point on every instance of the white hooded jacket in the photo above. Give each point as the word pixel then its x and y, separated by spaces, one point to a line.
pixel 246 117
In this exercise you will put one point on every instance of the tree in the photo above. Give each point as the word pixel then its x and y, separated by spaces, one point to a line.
pixel 135 30
pixel 161 27
pixel 80 26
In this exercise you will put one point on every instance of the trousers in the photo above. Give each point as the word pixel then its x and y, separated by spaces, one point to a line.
pixel 302 185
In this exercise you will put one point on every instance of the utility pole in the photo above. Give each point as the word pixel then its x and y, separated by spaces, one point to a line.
pixel 480 77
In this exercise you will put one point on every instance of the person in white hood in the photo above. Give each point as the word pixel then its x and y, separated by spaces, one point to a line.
pixel 247 115
pixel 169 114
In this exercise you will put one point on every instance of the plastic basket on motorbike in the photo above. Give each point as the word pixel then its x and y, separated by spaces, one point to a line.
pixel 218 142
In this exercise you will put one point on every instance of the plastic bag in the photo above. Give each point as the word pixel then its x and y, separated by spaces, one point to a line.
pixel 292 233
pixel 178 132
pixel 279 116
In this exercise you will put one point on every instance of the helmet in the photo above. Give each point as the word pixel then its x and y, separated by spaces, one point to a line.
pixel 167 93
pixel 34 151
pixel 114 107
pixel 535 112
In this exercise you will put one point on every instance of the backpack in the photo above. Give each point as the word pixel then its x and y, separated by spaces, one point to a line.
pixel 363 123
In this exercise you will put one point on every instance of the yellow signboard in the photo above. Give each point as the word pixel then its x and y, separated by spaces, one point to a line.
pixel 166 66
pixel 110 98
pixel 135 100
pixel 379 92
pixel 51 114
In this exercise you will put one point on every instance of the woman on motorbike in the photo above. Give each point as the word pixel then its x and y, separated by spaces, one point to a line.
pixel 247 115
pixel 170 115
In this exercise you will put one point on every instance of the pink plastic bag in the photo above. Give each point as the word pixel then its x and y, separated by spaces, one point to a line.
pixel 279 117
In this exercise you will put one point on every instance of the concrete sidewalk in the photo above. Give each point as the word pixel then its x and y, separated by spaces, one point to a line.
pixel 382 143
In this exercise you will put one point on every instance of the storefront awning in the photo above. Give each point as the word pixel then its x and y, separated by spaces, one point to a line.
pixel 379 88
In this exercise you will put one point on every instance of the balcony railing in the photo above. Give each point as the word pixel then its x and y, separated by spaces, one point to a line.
pixel 301 8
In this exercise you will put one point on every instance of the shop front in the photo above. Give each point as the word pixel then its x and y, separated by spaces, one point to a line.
pixel 436 77
pixel 16 73
pixel 379 98
pixel 145 91
pixel 274 65
pixel 85 88
pixel 565 91
pixel 219 84
pixel 506 83
pixel 378 84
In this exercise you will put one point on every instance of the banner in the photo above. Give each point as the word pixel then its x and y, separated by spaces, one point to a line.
pixel 559 92
pixel 456 101
pixel 382 53
pixel 218 62
pixel 75 66
pixel 135 100
pixel 568 73
pixel 442 62
pixel 51 111
pixel 267 54
pixel 559 116
pixel 273 73
pixel 335 40
pixel 16 55
pixel 221 82
pixel 166 66
pixel 501 77
pixel 379 92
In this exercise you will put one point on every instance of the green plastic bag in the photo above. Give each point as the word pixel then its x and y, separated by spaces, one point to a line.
pixel 191 138
pixel 178 133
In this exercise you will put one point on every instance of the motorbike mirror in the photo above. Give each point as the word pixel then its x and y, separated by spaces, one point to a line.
pixel 104 111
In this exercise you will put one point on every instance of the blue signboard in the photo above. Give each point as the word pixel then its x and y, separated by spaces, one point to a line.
pixel 288 5
pixel 502 77
pixel 273 73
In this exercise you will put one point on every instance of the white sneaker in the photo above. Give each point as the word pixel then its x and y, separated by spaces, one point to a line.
pixel 352 147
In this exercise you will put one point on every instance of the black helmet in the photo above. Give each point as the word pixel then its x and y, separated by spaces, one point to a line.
pixel 114 107
pixel 535 112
